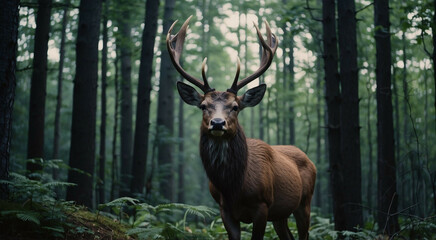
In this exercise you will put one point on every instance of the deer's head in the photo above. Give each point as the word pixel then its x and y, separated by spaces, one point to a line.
pixel 220 109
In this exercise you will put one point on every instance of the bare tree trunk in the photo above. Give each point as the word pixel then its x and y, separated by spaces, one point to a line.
pixel 125 46
pixel 181 167
pixel 433 29
pixel 57 121
pixel 291 91
pixel 350 166
pixel 370 187
pixel 82 150
pixel 387 198
pixel 397 129
pixel 140 148
pixel 165 113
pixel 406 132
pixel 35 140
pixel 9 13
pixel 261 80
pixel 320 174
pixel 115 188
pixel 333 99
pixel 102 155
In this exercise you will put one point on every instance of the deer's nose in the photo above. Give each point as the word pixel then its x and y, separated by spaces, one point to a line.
pixel 217 123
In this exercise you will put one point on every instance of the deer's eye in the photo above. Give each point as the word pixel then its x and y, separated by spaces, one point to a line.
pixel 202 107
pixel 235 108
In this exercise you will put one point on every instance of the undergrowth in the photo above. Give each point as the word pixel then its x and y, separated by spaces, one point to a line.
pixel 33 211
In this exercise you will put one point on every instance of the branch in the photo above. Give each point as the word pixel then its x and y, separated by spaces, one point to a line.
pixel 430 55
pixel 306 110
pixel 310 12
pixel 367 6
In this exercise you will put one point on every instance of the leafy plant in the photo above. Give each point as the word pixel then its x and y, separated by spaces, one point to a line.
pixel 34 204
pixel 158 222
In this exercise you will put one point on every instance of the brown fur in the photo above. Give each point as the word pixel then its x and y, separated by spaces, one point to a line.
pixel 253 181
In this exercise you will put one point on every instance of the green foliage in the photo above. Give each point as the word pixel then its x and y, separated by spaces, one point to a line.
pixel 32 207
pixel 163 221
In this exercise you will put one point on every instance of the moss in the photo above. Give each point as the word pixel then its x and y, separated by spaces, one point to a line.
pixel 76 223
pixel 89 225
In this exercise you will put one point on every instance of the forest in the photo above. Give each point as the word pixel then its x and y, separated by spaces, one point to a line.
pixel 96 143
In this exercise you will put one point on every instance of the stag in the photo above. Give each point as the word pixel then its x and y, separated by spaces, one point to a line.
pixel 251 181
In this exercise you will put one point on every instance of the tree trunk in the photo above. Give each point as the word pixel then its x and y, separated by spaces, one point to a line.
pixel 57 121
pixel 350 166
pixel 35 140
pixel 140 148
pixel 124 43
pixel 165 111
pixel 82 150
pixel 370 187
pixel 181 168
pixel 319 123
pixel 9 13
pixel 291 90
pixel 102 155
pixel 115 171
pixel 408 200
pixel 433 29
pixel 333 99
pixel 397 126
pixel 387 198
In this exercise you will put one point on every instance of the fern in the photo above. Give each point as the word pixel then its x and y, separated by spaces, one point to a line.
pixel 119 202
pixel 28 217
pixel 58 184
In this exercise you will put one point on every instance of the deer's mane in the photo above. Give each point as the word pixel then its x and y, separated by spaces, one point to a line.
pixel 225 162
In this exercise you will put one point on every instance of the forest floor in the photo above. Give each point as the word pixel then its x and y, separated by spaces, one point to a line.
pixel 20 222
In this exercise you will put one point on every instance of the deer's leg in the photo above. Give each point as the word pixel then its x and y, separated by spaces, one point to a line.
pixel 259 221
pixel 302 216
pixel 282 229
pixel 231 224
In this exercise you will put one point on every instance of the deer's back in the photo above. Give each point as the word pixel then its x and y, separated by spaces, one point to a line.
pixel 282 174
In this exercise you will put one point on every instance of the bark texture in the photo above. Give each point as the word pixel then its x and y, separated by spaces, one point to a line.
pixel 165 111
pixel 387 197
pixel 35 140
pixel 82 149
pixel 8 47
pixel 140 148
pixel 349 165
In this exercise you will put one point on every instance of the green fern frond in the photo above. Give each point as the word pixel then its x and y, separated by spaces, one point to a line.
pixel 5 182
pixel 119 202
pixel 59 184
pixel 28 217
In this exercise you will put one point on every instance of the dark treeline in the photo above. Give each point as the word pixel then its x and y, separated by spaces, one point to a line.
pixel 352 84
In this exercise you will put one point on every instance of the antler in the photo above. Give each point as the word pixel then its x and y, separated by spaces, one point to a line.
pixel 269 49
pixel 175 48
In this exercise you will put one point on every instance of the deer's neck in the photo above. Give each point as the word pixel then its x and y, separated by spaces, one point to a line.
pixel 225 161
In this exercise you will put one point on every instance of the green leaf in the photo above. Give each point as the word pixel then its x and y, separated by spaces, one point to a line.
pixel 28 217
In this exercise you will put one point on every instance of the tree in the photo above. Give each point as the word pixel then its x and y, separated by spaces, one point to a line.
pixel 8 48
pixel 140 147
pixel 102 154
pixel 165 111
pixel 333 99
pixel 82 149
pixel 124 44
pixel 115 171
pixel 181 158
pixel 386 170
pixel 59 93
pixel 35 140
pixel 349 165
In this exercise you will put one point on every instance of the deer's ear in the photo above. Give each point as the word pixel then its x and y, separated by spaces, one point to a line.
pixel 253 96
pixel 189 94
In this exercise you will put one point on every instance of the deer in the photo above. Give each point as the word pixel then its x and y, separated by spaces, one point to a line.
pixel 251 181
